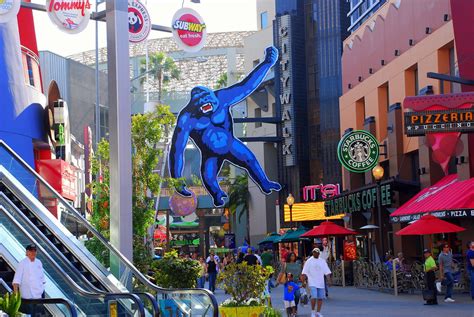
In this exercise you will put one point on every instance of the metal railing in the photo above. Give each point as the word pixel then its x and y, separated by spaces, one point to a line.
pixel 45 301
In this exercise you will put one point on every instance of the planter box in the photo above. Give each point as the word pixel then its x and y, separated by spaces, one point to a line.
pixel 244 311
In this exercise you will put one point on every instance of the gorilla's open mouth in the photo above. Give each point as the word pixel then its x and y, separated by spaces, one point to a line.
pixel 206 107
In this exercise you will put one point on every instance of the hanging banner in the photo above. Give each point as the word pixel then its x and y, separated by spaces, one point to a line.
pixel 8 9
pixel 139 23
pixel 358 151
pixel 189 30
pixel 70 16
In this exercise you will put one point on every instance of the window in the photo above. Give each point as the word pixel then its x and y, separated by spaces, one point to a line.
pixel 104 122
pixel 258 114
pixel 453 70
pixel 31 77
pixel 263 20
pixel 417 85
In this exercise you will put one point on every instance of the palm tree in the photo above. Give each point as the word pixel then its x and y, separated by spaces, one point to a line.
pixel 239 196
pixel 162 69
pixel 221 81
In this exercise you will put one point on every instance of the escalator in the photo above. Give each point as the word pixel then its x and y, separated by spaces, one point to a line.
pixel 25 194
pixel 58 282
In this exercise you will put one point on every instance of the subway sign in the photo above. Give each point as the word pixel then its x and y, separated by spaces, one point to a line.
pixel 453 120
pixel 358 201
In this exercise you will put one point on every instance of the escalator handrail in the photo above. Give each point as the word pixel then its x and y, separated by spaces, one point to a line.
pixel 152 299
pixel 43 301
pixel 70 281
pixel 112 248
pixel 64 259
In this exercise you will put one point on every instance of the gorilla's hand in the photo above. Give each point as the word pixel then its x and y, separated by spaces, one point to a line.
pixel 271 55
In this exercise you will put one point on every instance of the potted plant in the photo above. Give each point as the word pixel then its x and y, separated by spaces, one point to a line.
pixel 246 285
pixel 10 304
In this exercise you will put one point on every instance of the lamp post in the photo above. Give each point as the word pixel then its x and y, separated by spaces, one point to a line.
pixel 378 172
pixel 290 200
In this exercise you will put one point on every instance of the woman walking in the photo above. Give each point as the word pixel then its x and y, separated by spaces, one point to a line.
pixel 293 266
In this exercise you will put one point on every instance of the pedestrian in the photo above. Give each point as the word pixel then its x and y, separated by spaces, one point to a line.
pixel 240 257
pixel 284 253
pixel 445 261
pixel 267 258
pixel 202 273
pixel 400 261
pixel 29 280
pixel 290 288
pixel 212 263
pixel 250 258
pixel 470 266
pixel 259 258
pixel 325 253
pixel 293 267
pixel 314 271
pixel 430 278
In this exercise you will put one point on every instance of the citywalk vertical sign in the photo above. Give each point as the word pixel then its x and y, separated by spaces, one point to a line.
pixel 286 87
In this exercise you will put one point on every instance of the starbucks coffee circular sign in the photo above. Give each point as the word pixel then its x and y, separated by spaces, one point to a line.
pixel 8 9
pixel 358 151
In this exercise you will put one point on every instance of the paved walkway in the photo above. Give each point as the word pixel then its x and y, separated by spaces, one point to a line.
pixel 354 302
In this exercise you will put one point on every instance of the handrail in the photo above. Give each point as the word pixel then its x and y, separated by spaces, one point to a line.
pixel 43 301
pixel 150 297
pixel 69 280
pixel 112 248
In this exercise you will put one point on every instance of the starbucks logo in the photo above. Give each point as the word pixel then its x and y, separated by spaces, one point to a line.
pixel 358 151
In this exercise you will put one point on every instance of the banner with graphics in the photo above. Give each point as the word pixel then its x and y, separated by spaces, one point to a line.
pixel 139 23
pixel 189 30
pixel 70 16
pixel 9 9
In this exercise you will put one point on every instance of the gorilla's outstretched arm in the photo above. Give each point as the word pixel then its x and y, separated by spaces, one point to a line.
pixel 241 90
pixel 178 145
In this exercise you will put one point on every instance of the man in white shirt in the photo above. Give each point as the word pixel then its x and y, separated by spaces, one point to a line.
pixel 314 271
pixel 29 277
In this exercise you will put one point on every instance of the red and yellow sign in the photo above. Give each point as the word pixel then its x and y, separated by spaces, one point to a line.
pixel 308 212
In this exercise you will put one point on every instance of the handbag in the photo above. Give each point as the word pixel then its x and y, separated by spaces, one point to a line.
pixel 429 294
pixel 304 299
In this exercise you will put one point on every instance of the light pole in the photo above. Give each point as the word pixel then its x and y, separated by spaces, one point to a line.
pixel 378 172
pixel 290 200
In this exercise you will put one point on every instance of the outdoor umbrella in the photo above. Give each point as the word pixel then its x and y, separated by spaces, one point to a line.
pixel 429 224
pixel 159 235
pixel 328 228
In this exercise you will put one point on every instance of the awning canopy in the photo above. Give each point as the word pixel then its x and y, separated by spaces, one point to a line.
pixel 292 235
pixel 448 198
pixel 271 238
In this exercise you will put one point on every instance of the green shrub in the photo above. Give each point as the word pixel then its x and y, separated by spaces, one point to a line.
pixel 174 272
pixel 10 303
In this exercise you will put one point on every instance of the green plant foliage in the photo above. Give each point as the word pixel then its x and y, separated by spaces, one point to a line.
pixel 239 195
pixel 163 69
pixel 148 132
pixel 271 312
pixel 10 303
pixel 174 272
pixel 244 282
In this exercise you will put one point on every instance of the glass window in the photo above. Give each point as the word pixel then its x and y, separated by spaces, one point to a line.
pixel 31 78
pixel 263 20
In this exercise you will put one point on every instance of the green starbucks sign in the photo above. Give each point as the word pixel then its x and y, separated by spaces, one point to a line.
pixel 358 151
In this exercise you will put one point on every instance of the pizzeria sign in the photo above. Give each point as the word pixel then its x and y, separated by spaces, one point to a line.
pixel 454 120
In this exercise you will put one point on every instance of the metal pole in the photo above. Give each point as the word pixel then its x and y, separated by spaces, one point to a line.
pixel 395 282
pixel 167 229
pixel 291 216
pixel 379 212
pixel 121 232
pixel 97 93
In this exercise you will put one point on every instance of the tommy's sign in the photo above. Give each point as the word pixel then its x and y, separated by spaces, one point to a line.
pixel 286 101
pixel 358 151
pixel 453 120
pixel 326 191
pixel 189 30
pixel 358 201
pixel 70 16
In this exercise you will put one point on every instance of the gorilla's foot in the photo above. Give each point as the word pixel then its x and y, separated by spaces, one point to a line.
pixel 269 186
pixel 183 190
pixel 219 199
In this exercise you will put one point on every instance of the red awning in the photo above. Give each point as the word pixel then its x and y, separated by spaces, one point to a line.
pixel 449 197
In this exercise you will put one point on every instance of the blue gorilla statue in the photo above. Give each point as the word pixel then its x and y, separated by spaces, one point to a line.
pixel 207 120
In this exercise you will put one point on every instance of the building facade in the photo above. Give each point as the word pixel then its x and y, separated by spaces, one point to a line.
pixel 385 60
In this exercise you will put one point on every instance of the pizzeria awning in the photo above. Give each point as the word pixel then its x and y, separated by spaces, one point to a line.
pixel 448 198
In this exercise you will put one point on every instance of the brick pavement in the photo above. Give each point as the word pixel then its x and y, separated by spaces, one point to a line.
pixel 353 302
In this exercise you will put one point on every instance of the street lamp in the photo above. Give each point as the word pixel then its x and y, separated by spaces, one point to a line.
pixel 378 172
pixel 290 200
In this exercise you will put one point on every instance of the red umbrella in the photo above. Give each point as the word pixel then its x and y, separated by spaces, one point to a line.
pixel 429 224
pixel 328 228
pixel 159 235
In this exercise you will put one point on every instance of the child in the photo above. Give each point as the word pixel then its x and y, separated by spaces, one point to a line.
pixel 290 288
